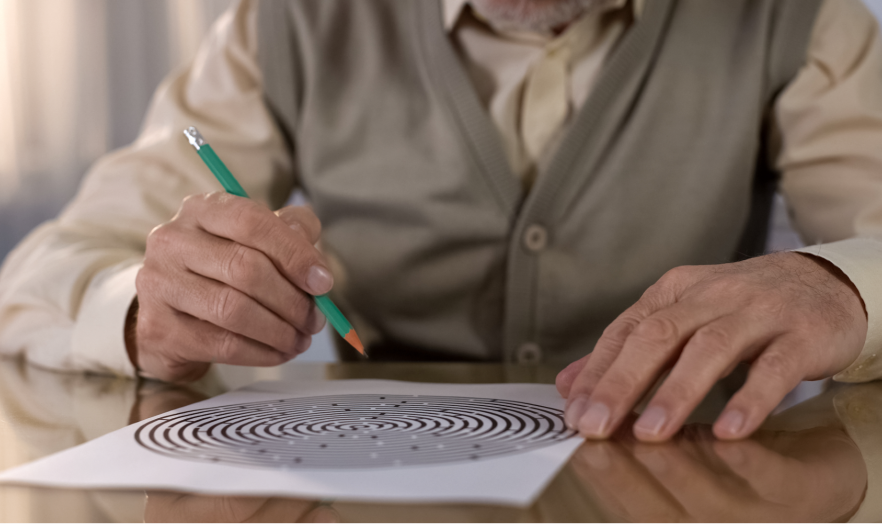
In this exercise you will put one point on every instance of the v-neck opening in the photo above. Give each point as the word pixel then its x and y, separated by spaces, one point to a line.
pixel 628 58
pixel 453 81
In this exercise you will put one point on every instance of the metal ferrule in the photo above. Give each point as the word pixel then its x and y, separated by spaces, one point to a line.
pixel 193 136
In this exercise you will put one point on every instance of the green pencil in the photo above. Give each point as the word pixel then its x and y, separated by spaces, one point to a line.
pixel 231 185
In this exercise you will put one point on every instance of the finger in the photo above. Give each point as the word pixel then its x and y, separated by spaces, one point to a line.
pixel 302 218
pixel 565 378
pixel 599 361
pixel 230 309
pixel 709 353
pixel 252 273
pixel 650 348
pixel 623 485
pixel 773 374
pixel 252 224
pixel 660 295
pixel 183 346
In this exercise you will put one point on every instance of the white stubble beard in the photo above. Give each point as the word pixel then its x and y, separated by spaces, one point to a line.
pixel 531 15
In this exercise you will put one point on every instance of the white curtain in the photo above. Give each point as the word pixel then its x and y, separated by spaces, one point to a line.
pixel 75 80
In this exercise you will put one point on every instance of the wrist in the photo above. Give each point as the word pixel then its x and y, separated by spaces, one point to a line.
pixel 837 273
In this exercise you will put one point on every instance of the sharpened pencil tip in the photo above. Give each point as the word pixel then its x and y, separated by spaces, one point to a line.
pixel 352 338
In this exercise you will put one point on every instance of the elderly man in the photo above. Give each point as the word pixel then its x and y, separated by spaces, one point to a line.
pixel 500 180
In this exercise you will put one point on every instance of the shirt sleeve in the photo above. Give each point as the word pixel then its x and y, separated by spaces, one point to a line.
pixel 66 288
pixel 826 137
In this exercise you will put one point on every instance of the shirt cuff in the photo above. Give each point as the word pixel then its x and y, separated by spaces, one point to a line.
pixel 861 260
pixel 98 343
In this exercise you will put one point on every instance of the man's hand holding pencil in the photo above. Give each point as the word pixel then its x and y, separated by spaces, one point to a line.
pixel 227 280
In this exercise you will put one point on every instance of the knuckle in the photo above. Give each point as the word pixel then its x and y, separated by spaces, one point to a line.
pixel 242 267
pixel 168 365
pixel 160 237
pixel 677 275
pixel 213 198
pixel 190 201
pixel 656 329
pixel 777 366
pixel 149 284
pixel 226 307
pixel 562 381
pixel 618 386
pixel 250 217
pixel 590 377
pixel 773 305
pixel 143 281
pixel 730 287
pixel 149 328
pixel 297 257
pixel 192 205
pixel 713 339
pixel 618 331
pixel 228 343
pixel 654 293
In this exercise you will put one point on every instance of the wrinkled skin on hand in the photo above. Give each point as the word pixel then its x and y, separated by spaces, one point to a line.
pixel 228 281
pixel 792 317
pixel 816 475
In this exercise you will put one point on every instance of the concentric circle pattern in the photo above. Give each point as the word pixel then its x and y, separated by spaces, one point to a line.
pixel 355 431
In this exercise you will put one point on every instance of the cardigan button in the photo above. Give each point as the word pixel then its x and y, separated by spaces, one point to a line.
pixel 529 353
pixel 535 238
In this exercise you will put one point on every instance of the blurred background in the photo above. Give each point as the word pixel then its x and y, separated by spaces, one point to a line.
pixel 76 77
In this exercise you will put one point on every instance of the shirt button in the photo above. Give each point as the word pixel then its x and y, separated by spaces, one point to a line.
pixel 535 238
pixel 529 353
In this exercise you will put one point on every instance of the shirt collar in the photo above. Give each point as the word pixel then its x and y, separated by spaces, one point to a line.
pixel 452 9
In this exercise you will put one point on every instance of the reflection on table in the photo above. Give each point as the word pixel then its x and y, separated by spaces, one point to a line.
pixel 818 461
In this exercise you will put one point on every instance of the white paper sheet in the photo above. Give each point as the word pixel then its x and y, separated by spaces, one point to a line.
pixel 366 440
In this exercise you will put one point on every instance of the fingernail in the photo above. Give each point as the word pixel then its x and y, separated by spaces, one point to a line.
pixel 596 457
pixel 652 421
pixel 595 421
pixel 319 280
pixel 731 422
pixel 574 411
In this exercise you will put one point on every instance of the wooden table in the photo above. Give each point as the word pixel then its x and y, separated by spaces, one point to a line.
pixel 813 462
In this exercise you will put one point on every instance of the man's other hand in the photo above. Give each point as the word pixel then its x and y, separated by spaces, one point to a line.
pixel 793 317
pixel 228 281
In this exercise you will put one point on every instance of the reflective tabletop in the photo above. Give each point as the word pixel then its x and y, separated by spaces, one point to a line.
pixel 819 460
